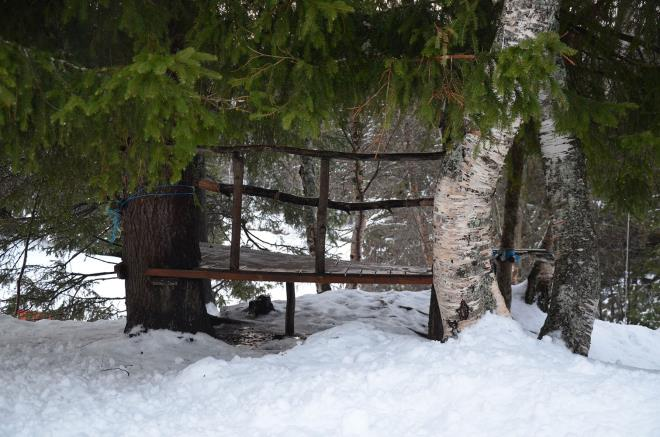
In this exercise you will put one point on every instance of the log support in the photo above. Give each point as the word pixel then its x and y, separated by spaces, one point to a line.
pixel 327 154
pixel 280 196
pixel 290 309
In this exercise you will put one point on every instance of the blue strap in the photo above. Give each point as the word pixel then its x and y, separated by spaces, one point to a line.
pixel 115 213
pixel 115 216
pixel 506 255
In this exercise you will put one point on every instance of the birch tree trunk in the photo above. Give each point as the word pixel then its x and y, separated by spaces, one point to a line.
pixel 461 218
pixel 576 282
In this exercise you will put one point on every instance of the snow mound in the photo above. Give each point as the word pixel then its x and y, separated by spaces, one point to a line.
pixel 367 376
pixel 627 345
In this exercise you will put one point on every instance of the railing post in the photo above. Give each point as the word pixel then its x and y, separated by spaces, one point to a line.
pixel 290 308
pixel 322 215
pixel 237 200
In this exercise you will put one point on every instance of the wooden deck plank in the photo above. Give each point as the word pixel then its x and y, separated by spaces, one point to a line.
pixel 257 265
pixel 217 257
pixel 260 275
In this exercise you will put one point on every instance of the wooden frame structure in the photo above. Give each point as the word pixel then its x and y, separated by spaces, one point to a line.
pixel 319 273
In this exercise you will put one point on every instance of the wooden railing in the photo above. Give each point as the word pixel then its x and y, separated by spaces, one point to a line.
pixel 322 203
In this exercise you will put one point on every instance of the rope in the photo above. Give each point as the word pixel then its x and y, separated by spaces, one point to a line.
pixel 115 213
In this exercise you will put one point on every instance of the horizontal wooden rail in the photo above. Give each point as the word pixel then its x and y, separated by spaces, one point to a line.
pixel 330 154
pixel 227 189
pixel 318 278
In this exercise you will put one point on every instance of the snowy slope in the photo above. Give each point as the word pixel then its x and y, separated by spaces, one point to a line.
pixel 369 374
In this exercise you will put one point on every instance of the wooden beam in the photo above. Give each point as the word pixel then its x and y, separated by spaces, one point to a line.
pixel 290 309
pixel 318 278
pixel 237 197
pixel 251 190
pixel 322 215
pixel 329 154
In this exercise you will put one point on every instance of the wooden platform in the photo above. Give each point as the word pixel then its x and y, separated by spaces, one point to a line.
pixel 257 265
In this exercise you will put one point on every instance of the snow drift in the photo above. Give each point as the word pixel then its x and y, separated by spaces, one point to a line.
pixel 370 374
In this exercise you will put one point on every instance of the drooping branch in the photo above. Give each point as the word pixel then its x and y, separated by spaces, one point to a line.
pixel 280 196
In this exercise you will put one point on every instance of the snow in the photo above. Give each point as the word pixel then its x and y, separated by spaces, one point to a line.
pixel 361 370
pixel 111 287
pixel 212 309
pixel 629 345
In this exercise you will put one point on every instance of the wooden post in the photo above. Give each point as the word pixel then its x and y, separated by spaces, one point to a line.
pixel 237 200
pixel 322 215
pixel 290 308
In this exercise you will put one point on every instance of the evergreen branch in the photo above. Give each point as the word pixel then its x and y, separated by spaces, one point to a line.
pixel 84 248
pixel 31 53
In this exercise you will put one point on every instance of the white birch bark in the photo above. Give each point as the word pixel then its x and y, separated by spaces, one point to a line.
pixel 461 218
pixel 576 281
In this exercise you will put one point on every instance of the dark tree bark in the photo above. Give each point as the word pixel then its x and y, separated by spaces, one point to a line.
pixel 539 281
pixel 164 231
pixel 435 331
pixel 515 163
pixel 289 321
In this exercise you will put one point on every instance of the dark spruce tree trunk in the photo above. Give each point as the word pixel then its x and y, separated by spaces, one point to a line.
pixel 514 166
pixel 163 231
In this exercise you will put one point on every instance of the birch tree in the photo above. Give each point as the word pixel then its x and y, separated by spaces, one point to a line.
pixel 463 285
pixel 576 280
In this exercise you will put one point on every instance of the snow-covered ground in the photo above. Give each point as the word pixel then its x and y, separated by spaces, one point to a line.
pixel 360 371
